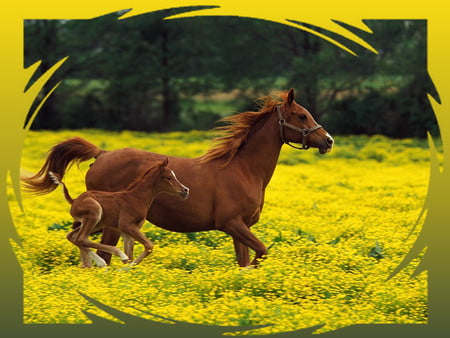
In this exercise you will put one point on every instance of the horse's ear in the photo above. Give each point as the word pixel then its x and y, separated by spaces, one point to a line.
pixel 290 96
pixel 160 165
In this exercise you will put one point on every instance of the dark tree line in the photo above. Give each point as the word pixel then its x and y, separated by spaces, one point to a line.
pixel 147 73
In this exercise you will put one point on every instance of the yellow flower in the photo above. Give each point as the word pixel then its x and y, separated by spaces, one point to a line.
pixel 336 227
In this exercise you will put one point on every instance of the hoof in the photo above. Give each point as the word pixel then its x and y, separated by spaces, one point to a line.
pixel 102 264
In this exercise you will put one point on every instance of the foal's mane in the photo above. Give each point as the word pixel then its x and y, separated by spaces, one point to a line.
pixel 136 181
pixel 235 133
pixel 139 179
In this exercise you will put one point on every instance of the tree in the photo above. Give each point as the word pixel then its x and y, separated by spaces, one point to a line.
pixel 44 36
pixel 143 73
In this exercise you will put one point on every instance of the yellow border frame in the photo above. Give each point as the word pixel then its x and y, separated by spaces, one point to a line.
pixel 15 104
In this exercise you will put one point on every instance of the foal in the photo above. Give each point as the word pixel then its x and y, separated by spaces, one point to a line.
pixel 124 211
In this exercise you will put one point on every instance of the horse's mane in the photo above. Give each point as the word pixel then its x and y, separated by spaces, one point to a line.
pixel 234 134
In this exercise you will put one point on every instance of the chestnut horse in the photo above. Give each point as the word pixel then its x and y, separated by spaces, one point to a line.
pixel 227 184
pixel 124 210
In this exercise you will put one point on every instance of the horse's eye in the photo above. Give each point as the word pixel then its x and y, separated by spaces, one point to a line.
pixel 169 178
pixel 302 117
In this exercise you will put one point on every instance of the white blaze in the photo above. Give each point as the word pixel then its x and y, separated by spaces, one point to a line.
pixel 176 179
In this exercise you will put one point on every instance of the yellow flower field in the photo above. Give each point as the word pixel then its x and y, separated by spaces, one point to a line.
pixel 337 225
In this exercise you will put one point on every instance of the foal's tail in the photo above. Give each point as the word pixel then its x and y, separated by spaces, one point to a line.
pixel 60 157
pixel 56 180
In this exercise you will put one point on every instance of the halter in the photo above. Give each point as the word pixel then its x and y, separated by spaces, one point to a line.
pixel 305 131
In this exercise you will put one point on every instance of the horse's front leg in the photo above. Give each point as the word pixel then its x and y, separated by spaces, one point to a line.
pixel 241 253
pixel 241 233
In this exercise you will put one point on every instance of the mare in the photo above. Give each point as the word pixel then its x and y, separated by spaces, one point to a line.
pixel 227 183
pixel 124 210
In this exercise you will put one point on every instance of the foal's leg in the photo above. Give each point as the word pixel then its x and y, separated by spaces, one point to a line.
pixel 109 237
pixel 87 254
pixel 89 212
pixel 85 258
pixel 128 245
pixel 241 233
pixel 84 252
pixel 134 232
pixel 86 242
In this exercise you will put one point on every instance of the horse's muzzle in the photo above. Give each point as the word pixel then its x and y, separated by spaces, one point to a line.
pixel 185 192
pixel 327 145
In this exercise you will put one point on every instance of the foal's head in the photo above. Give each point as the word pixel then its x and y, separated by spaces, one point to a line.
pixel 300 127
pixel 163 180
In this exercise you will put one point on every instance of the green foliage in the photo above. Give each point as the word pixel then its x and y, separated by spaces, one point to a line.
pixel 49 257
pixel 65 225
pixel 307 235
pixel 376 252
pixel 212 239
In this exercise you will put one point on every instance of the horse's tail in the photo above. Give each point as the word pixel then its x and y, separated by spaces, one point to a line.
pixel 56 180
pixel 60 157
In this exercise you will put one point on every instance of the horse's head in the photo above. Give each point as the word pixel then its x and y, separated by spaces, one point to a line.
pixel 298 126
pixel 167 181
